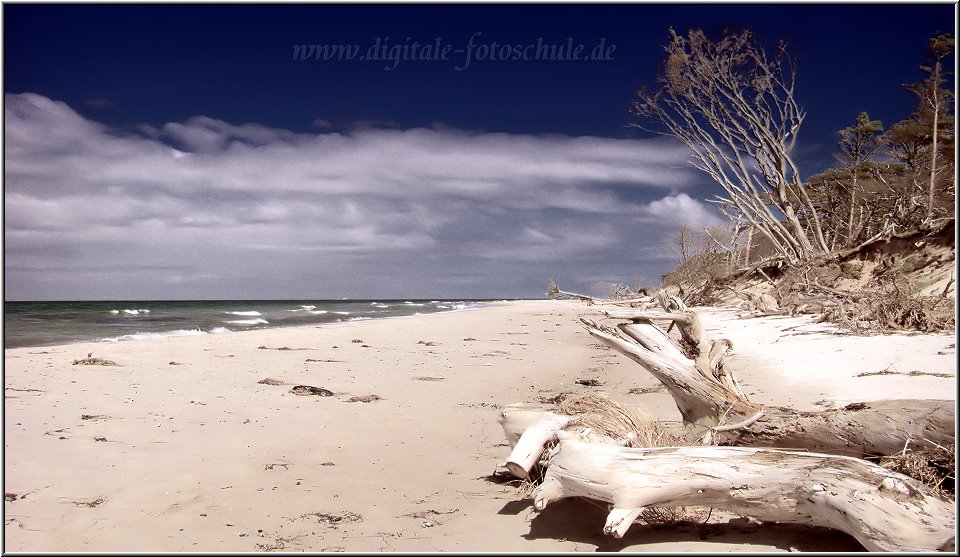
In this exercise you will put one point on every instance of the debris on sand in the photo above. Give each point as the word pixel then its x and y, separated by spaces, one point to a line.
pixel 271 381
pixel 588 382
pixel 93 417
pixel 91 504
pixel 331 520
pixel 646 390
pixel 91 361
pixel 305 390
pixel 364 398
pixel 555 399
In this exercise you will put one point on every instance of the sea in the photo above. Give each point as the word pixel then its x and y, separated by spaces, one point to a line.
pixel 27 324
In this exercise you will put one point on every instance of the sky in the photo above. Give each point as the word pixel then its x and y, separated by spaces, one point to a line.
pixel 184 151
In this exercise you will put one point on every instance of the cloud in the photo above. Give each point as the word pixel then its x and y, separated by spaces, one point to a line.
pixel 209 209
pixel 682 209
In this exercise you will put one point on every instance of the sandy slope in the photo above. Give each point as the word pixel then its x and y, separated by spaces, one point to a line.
pixel 197 455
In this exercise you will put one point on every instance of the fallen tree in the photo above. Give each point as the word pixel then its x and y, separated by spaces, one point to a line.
pixel 883 510
pixel 826 483
pixel 707 395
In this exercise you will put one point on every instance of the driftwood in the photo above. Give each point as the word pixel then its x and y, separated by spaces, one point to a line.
pixel 528 449
pixel 883 510
pixel 554 292
pixel 709 396
pixel 516 420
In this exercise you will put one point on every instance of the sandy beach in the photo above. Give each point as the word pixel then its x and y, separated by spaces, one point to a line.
pixel 180 447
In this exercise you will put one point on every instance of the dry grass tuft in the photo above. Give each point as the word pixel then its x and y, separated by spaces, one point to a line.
pixel 605 416
pixel 933 466
pixel 656 516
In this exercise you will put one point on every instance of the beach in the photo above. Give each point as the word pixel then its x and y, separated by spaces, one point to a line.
pixel 183 445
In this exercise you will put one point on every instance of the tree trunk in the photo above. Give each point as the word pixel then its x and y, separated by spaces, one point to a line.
pixel 853 198
pixel 707 395
pixel 936 134
pixel 746 255
pixel 883 510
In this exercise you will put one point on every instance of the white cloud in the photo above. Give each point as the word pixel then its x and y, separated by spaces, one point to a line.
pixel 247 210
pixel 682 209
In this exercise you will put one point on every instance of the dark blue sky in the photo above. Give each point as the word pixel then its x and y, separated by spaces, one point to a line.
pixel 161 63
pixel 429 165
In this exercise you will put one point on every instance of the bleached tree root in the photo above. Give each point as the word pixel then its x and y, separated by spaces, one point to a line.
pixel 516 420
pixel 529 447
pixel 883 510
pixel 711 397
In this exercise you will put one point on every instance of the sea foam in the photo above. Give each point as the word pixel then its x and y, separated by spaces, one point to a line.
pixel 258 321
pixel 129 311
pixel 149 336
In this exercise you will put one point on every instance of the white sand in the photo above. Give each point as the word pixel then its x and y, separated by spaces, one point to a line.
pixel 199 456
pixel 810 363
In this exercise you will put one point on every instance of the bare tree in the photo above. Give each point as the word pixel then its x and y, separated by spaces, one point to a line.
pixel 735 108
pixel 857 144
pixel 937 101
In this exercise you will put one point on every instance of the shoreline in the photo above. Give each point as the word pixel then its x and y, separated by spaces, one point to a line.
pixel 223 327
pixel 182 448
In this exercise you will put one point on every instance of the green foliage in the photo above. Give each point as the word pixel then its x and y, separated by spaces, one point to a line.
pixel 864 197
pixel 860 141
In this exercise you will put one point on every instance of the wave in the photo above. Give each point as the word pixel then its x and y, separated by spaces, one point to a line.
pixel 318 312
pixel 129 311
pixel 342 312
pixel 149 336
pixel 220 330
pixel 258 321
pixel 245 313
pixel 303 308
pixel 413 304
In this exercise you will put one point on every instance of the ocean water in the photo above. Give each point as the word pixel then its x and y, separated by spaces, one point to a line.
pixel 50 323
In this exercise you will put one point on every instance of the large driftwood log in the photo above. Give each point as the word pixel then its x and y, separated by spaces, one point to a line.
pixel 708 395
pixel 883 510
